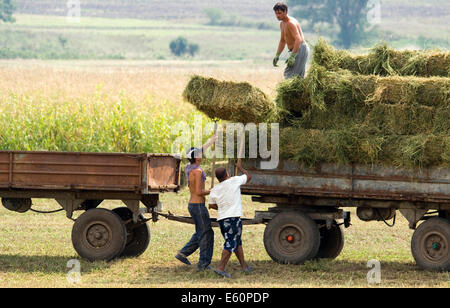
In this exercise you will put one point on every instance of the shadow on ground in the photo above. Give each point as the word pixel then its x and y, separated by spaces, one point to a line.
pixel 45 264
pixel 334 273
pixel 313 273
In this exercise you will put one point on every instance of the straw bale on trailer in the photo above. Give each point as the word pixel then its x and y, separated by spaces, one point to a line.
pixel 363 145
pixel 384 61
pixel 348 109
pixel 323 88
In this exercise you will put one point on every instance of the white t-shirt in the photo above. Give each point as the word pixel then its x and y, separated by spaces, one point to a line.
pixel 227 196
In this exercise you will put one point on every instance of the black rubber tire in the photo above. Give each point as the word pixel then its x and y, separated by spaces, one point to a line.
pixel 138 238
pixel 292 238
pixel 430 244
pixel 21 205
pixel 444 214
pixel 331 241
pixel 99 235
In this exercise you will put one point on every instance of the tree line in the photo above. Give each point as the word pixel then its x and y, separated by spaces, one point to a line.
pixel 346 18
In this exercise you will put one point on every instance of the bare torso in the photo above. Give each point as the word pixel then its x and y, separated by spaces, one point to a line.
pixel 289 33
pixel 196 185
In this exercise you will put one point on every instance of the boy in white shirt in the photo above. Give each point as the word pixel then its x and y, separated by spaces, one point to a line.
pixel 226 199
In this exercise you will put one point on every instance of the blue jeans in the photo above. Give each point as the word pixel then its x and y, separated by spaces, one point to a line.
pixel 203 237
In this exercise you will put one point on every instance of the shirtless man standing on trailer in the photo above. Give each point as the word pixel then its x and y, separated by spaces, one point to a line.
pixel 292 36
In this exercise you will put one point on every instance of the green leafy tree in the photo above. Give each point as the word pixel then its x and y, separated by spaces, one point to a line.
pixel 215 15
pixel 193 49
pixel 181 46
pixel 349 15
pixel 7 8
pixel 62 40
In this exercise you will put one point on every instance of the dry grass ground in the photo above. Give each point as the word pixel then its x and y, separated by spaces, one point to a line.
pixel 35 248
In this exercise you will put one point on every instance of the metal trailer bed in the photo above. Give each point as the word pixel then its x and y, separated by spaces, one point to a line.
pixel 81 181
pixel 304 224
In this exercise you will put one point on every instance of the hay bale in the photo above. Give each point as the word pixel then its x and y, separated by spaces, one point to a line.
pixel 292 95
pixel 442 120
pixel 388 119
pixel 384 61
pixel 446 154
pixel 402 119
pixel 361 144
pixel 231 101
pixel 322 88
pixel 434 91
pixel 312 147
pixel 327 56
pixel 422 150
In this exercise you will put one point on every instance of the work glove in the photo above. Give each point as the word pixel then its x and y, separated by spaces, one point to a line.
pixel 275 60
pixel 291 61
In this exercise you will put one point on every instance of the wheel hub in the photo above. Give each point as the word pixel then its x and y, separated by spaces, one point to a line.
pixel 435 247
pixel 290 239
pixel 98 235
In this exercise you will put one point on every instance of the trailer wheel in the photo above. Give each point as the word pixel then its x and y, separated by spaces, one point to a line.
pixel 138 236
pixel 430 244
pixel 292 238
pixel 99 235
pixel 331 241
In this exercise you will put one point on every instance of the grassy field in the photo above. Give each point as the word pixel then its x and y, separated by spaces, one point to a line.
pixel 150 9
pixel 82 97
pixel 35 249
pixel 53 37
pixel 141 32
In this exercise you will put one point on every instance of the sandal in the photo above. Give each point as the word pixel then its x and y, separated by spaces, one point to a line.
pixel 222 273
pixel 248 270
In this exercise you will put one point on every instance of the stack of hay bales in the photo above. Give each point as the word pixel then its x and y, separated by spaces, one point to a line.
pixel 388 107
pixel 365 109
pixel 396 105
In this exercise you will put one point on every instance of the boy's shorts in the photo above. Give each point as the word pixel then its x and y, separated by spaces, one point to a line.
pixel 231 229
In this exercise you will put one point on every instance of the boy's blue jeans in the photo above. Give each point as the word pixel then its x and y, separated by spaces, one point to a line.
pixel 203 237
